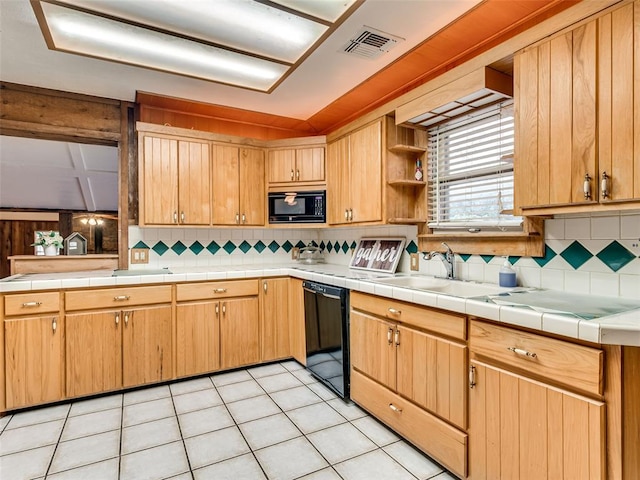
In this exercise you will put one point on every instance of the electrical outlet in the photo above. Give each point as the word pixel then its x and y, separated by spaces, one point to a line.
pixel 415 262
pixel 295 253
pixel 139 255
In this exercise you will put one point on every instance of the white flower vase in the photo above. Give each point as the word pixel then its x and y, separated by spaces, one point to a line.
pixel 51 250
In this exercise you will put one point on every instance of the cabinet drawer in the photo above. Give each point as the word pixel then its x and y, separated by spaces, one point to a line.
pixel 31 303
pixel 443 442
pixel 575 366
pixel 117 297
pixel 231 288
pixel 449 324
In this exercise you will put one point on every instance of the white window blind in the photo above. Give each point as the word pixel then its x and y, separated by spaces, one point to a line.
pixel 470 171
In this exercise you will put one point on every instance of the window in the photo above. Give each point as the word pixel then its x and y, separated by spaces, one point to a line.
pixel 470 172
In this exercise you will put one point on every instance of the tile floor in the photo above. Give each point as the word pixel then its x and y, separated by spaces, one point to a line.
pixel 272 422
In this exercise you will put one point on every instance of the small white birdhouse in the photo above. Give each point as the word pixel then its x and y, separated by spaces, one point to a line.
pixel 75 244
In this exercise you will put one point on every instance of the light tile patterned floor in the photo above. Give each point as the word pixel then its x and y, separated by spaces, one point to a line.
pixel 272 422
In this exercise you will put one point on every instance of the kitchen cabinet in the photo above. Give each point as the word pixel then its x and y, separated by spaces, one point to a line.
pixel 523 422
pixel 116 338
pixel 577 118
pixel 33 349
pixel 276 327
pixel 238 186
pixel 408 373
pixel 296 165
pixel 405 194
pixel 354 177
pixel 217 326
pixel 175 186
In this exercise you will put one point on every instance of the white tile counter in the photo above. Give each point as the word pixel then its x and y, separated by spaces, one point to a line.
pixel 616 329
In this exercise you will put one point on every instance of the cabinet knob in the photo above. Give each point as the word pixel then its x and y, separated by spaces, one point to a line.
pixel 126 318
pixel 182 217
pixel 175 217
pixel 117 318
pixel 264 286
pixel 244 218
pixel 291 174
pixel 237 218
pixel 604 185
pixel 586 188
pixel 346 214
pixel 351 214
pixel 224 309
pixel 217 310
pixel 297 174
pixel 54 324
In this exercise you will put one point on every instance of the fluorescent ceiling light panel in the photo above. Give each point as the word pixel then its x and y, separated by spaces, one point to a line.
pixel 240 24
pixel 95 36
pixel 329 10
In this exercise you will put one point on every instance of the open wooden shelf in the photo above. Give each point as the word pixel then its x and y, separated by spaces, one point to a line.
pixel 407 221
pixel 407 183
pixel 407 148
pixel 464 234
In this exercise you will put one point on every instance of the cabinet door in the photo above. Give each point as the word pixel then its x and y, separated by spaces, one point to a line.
pixel 619 101
pixel 365 167
pixel 146 345
pixel 372 348
pixel 93 352
pixel 521 429
pixel 282 166
pixel 252 191
pixel 432 372
pixel 276 339
pixel 159 171
pixel 239 332
pixel 338 196
pixel 225 185
pixel 309 165
pixel 34 360
pixel 194 189
pixel 297 321
pixel 197 338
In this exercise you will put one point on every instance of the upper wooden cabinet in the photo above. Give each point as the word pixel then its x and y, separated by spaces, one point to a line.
pixel 299 165
pixel 577 118
pixel 175 186
pixel 354 177
pixel 238 186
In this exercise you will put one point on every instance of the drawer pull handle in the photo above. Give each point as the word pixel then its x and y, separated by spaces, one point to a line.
pixel 224 309
pixel 121 298
pixel 219 290
pixel 393 311
pixel 117 319
pixel 217 310
pixel 264 286
pixel 397 337
pixel 54 324
pixel 472 376
pixel 520 351
pixel 394 408
pixel 389 335
pixel 31 304
pixel 126 319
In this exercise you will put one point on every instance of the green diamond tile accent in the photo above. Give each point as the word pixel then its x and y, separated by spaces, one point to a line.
pixel 245 246
pixel 322 245
pixel 179 247
pixel 576 255
pixel 615 256
pixel 336 246
pixel 345 247
pixel 140 245
pixel 300 244
pixel 196 247
pixel 464 256
pixel 329 247
pixel 354 244
pixel 287 246
pixel 273 246
pixel 213 247
pixel 412 247
pixel 314 243
pixel 487 258
pixel 160 248
pixel 548 255
pixel 229 247
pixel 513 259
pixel 259 246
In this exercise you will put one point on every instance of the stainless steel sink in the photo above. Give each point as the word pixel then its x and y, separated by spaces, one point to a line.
pixel 456 288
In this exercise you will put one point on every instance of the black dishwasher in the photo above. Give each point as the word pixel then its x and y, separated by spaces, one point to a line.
pixel 326 314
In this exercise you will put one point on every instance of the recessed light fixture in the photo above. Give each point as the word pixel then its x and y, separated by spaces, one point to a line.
pixel 246 43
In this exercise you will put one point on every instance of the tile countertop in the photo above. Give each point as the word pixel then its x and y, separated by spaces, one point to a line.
pixel 622 328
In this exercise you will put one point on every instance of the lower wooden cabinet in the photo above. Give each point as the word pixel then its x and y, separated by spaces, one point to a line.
pixel 197 338
pixel 276 329
pixel 522 429
pixel 296 320
pixel 34 360
pixel 239 332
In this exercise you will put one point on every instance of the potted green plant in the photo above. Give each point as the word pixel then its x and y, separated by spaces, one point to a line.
pixel 51 241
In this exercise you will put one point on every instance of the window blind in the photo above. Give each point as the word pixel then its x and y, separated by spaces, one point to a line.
pixel 470 171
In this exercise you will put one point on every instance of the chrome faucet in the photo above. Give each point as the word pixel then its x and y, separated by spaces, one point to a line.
pixel 448 258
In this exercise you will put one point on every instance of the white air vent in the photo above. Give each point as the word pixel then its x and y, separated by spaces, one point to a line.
pixel 370 43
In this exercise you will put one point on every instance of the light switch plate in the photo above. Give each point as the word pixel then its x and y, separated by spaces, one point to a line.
pixel 295 253
pixel 139 255
pixel 415 262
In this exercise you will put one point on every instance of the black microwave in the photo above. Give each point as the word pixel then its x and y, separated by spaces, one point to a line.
pixel 298 207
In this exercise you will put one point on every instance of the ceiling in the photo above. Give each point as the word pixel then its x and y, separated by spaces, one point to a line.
pixel 325 89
